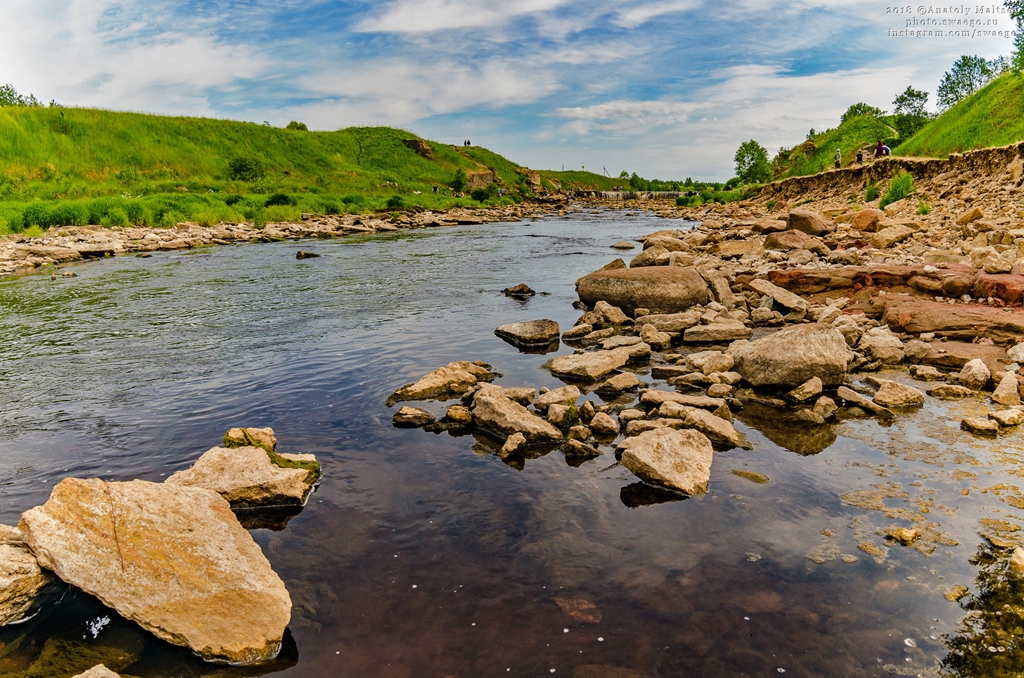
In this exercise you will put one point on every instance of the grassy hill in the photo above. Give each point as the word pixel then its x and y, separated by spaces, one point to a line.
pixel 992 116
pixel 66 166
pixel 818 153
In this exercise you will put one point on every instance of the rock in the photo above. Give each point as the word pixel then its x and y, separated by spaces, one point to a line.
pixel 970 216
pixel 895 394
pixel 460 414
pixel 496 414
pixel 673 322
pixel 522 395
pixel 825 407
pixel 1007 418
pixel 612 314
pixel 579 432
pixel 809 222
pixel 1007 392
pixel 867 220
pixel 649 257
pixel 789 241
pixel 250 477
pixel 587 411
pixel 975 375
pixel 925 373
pixel 172 558
pixel 446 382
pixel 531 333
pixel 979 426
pixel 565 395
pixel 956 593
pixel 411 417
pixel 590 366
pixel 793 355
pixel 658 398
pixel 21 579
pixel 513 444
pixel 624 245
pixel 915 350
pixel 1016 562
pixel 882 345
pixel 1016 354
pixel 619 383
pixel 956 354
pixel 520 291
pixel 574 448
pixel 562 416
pixel 661 289
pixel 578 332
pixel 781 296
pixel 678 460
pixel 619 341
pixel 715 428
pixel 888 237
pixel 951 392
pixel 251 437
pixel 306 255
pixel 101 671
pixel 650 335
pixel 805 391
pixel 903 535
pixel 856 399
pixel 715 363
pixel 717 332
pixel 603 425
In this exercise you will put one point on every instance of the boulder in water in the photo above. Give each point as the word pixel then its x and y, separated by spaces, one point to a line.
pixel 660 289
pixel 793 355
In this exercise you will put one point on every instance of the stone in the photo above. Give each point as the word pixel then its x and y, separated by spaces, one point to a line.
pixel 574 448
pixel 677 460
pixel 975 375
pixel 250 477
pixel 790 241
pixel 979 426
pixel 620 341
pixel 867 220
pixel 1008 390
pixel 809 222
pixel 603 425
pixel 925 373
pixel 649 257
pixel 658 398
pixel 412 417
pixel 1016 354
pixel 1006 418
pixel 1016 562
pixel 717 332
pixel 895 394
pixel 251 437
pixel 661 289
pixel 881 344
pixel 782 297
pixel 654 338
pixel 903 535
pixel 590 366
pixel 173 559
pixel 624 245
pixel 587 411
pixel 520 291
pixel 563 396
pixel 951 392
pixel 793 355
pixel 446 382
pixel 915 350
pixel 970 216
pixel 459 414
pixel 807 390
pixel 562 416
pixel 513 444
pixel 519 394
pixel 530 333
pixel 857 400
pixel 717 362
pixel 612 314
pixel 21 578
pixel 579 432
pixel 101 671
pixel 715 428
pixel 626 381
pixel 719 390
pixel 499 416
pixel 825 407
pixel 890 236
pixel 578 332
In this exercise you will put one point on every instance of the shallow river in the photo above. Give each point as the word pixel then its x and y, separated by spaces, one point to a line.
pixel 424 554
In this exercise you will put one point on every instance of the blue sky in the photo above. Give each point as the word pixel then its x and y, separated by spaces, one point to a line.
pixel 666 88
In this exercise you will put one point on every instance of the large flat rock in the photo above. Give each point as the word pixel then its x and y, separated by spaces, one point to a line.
pixel 591 365
pixel 250 477
pixel 793 355
pixel 954 321
pixel 530 333
pixel 496 414
pixel 174 559
pixel 450 381
pixel 678 460
pixel 660 289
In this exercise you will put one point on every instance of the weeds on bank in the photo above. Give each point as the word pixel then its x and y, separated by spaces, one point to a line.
pixel 901 186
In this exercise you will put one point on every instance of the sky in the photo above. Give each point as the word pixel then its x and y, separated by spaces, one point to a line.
pixel 664 88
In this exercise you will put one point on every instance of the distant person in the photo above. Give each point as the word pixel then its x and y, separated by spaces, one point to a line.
pixel 838 158
pixel 860 157
pixel 880 149
pixel 887 150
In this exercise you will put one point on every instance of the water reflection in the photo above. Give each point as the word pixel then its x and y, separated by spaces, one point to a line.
pixel 785 428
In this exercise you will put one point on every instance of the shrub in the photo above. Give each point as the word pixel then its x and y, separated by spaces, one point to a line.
pixel 901 185
pixel 331 207
pixel 129 175
pixel 482 194
pixel 923 207
pixel 233 199
pixel 296 125
pixel 170 219
pixel 871 192
pixel 245 168
pixel 115 217
pixel 136 212
pixel 353 200
pixel 395 202
pixel 280 199
pixel 281 213
pixel 771 204
pixel 458 182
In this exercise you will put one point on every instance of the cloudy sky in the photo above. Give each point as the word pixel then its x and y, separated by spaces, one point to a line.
pixel 666 88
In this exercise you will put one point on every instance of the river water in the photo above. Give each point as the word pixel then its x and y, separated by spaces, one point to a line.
pixel 424 554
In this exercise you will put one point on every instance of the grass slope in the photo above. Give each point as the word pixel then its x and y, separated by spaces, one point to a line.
pixel 993 116
pixel 818 154
pixel 116 167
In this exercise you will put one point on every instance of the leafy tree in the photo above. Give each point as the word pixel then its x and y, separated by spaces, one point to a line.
pixel 459 180
pixel 245 168
pixel 10 97
pixel 1016 9
pixel 910 112
pixel 860 108
pixel 811 134
pixel 296 125
pixel 752 163
pixel 968 75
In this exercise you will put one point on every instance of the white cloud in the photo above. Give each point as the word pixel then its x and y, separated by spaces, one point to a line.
pixel 641 13
pixel 426 16
pixel 628 116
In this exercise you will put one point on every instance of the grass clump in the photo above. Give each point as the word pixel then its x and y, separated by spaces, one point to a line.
pixel 901 185
pixel 923 207
pixel 871 192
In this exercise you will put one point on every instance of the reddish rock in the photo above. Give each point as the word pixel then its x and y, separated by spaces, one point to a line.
pixel 954 321
pixel 770 226
pixel 810 222
pixel 867 220
pixel 1008 287
pixel 955 354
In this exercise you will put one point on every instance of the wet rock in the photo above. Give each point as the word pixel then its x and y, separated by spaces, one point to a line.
pixel 805 391
pixel 661 289
pixel 925 373
pixel 514 443
pixel 624 245
pixel 411 417
pixel 975 375
pixel 1016 562
pixel 882 345
pixel 1007 392
pixel 496 414
pixel 979 426
pixel 638 426
pixel 172 558
pixel 1006 418
pixel 650 335
pixel 752 476
pixel 520 291
pixel 657 398
pixel 780 295
pixel 603 425
pixel 717 429
pixel 574 448
pixel 895 394
pixel 578 332
pixel 251 437
pixel 825 407
pixel 809 222
pixel 618 342
pixel 793 355
pixel 719 390
pixel 459 414
pixel 250 477
pixel 532 333
pixel 903 535
pixel 579 609
pixel 626 381
pixel 678 460
pixel 21 578
pixel 612 314
pixel 101 671
pixel 306 255
pixel 717 332
pixel 446 382
pixel 951 392
pixel 562 416
pixel 579 432
pixel 856 399
pixel 587 411
pixel 566 395
pixel 590 366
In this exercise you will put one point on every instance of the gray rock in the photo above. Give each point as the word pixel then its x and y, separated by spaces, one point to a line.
pixel 975 374
pixel 678 460
pixel 793 355
pixel 531 333
pixel 661 289
pixel 496 414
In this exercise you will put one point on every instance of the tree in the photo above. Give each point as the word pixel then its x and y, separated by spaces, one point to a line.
pixel 296 125
pixel 860 108
pixel 10 97
pixel 459 180
pixel 752 163
pixel 910 112
pixel 1016 9
pixel 968 75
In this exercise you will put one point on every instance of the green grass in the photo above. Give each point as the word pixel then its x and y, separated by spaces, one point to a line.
pixel 901 185
pixel 578 180
pixel 58 165
pixel 993 116
pixel 818 154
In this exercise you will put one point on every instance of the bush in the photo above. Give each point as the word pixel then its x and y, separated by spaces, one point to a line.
pixel 280 213
pixel 331 207
pixel 458 182
pixel 871 192
pixel 233 199
pixel 245 168
pixel 115 217
pixel 900 187
pixel 296 125
pixel 482 194
pixel 354 200
pixel 395 202
pixel 136 212
pixel 280 199
pixel 923 207
pixel 771 205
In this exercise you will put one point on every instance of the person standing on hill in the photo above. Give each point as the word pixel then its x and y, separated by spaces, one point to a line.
pixel 879 149
pixel 860 157
pixel 838 158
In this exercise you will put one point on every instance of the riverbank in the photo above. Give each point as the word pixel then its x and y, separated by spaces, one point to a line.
pixel 66 244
